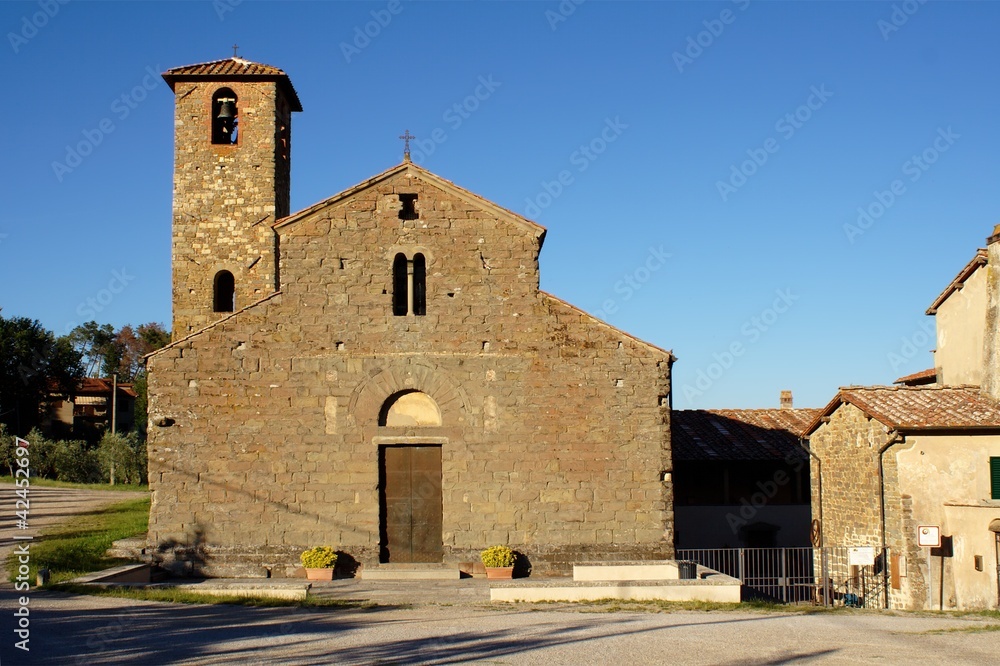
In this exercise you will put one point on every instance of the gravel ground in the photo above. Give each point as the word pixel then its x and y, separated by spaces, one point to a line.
pixel 90 630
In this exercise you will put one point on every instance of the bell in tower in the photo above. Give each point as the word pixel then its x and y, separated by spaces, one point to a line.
pixel 224 117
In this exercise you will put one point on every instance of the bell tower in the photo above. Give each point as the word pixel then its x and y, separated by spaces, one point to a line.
pixel 232 149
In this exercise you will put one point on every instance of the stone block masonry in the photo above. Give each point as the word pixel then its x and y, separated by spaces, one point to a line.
pixel 554 427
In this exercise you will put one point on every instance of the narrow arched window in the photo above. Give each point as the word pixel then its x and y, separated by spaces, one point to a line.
pixel 225 117
pixel 419 285
pixel 409 285
pixel 400 300
pixel 224 292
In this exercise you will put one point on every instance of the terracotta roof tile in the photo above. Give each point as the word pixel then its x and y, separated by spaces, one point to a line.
pixel 234 69
pixel 227 67
pixel 738 434
pixel 919 407
pixel 928 376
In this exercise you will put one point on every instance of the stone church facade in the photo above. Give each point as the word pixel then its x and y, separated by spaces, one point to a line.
pixel 380 371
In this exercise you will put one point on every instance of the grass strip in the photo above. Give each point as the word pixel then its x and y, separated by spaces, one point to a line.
pixel 77 547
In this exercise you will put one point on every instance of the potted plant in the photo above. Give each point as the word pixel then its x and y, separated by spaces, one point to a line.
pixel 319 562
pixel 499 562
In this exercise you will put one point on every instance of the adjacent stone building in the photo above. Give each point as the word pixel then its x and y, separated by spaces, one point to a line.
pixel 892 461
pixel 380 371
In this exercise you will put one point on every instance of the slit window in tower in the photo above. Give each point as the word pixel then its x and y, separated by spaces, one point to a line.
pixel 224 292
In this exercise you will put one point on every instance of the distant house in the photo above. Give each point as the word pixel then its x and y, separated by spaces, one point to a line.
pixel 86 412
pixel 896 467
pixel 741 477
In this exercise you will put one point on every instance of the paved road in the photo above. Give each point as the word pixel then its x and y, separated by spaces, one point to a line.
pixel 450 624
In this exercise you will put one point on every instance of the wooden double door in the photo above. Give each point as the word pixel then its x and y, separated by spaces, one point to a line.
pixel 410 503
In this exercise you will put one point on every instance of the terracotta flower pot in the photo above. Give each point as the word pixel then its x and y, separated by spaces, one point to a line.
pixel 499 572
pixel 319 574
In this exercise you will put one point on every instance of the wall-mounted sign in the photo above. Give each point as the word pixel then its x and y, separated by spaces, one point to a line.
pixel 861 557
pixel 929 535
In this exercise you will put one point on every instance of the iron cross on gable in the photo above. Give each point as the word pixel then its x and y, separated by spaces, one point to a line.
pixel 235 49
pixel 406 136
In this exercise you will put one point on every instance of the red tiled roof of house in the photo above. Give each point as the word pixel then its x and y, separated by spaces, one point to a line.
pixel 907 408
pixel 233 69
pixel 928 376
pixel 956 284
pixel 738 434
pixel 95 386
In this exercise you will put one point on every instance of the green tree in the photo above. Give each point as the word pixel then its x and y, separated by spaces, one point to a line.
pixel 122 458
pixel 95 343
pixel 7 449
pixel 33 364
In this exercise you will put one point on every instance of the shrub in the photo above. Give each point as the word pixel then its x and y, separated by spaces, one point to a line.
pixel 497 556
pixel 320 557
pixel 123 458
pixel 72 461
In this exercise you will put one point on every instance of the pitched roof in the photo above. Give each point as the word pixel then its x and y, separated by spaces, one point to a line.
pixel 234 69
pixel 738 434
pixel 928 376
pixel 533 227
pixel 96 386
pixel 956 284
pixel 908 408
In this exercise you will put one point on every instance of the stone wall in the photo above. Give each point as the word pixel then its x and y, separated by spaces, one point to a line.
pixel 848 447
pixel 226 197
pixel 555 426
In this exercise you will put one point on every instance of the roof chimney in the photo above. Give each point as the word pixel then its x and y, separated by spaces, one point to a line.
pixel 786 399
pixel 991 338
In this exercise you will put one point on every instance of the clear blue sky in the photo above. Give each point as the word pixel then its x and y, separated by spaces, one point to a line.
pixel 881 93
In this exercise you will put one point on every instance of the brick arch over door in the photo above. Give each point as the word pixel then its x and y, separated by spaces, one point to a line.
pixel 367 400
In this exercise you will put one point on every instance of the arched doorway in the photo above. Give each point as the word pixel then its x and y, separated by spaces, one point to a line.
pixel 410 498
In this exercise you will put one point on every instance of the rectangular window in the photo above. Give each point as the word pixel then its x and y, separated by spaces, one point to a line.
pixel 995 478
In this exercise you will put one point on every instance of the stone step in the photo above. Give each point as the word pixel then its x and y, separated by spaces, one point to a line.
pixel 622 571
pixel 411 572
pixel 712 586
